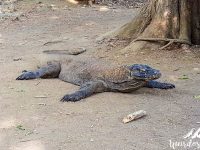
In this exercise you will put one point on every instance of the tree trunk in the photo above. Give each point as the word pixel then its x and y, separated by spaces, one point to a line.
pixel 162 23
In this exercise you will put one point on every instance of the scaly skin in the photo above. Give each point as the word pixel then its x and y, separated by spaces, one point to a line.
pixel 95 76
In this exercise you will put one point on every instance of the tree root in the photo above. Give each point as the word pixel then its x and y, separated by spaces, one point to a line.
pixel 170 41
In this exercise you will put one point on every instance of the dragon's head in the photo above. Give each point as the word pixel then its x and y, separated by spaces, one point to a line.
pixel 144 72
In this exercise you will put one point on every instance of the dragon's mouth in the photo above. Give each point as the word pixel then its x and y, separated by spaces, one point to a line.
pixel 144 72
pixel 148 77
pixel 154 77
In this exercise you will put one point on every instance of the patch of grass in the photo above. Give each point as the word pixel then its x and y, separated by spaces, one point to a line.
pixel 20 127
pixel 197 97
pixel 184 77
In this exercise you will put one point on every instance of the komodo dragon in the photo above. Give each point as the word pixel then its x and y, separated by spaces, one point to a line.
pixel 95 76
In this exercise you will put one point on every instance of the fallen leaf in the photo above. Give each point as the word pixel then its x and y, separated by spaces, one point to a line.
pixel 197 97
pixel 20 127
pixel 184 77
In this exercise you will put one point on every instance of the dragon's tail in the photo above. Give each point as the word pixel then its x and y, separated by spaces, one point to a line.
pixel 65 52
pixel 58 55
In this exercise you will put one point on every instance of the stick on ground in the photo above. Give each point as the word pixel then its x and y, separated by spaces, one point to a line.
pixel 134 116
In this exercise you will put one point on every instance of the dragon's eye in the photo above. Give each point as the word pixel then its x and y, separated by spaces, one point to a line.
pixel 142 70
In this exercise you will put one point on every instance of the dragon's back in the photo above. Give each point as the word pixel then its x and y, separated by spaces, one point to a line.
pixel 89 69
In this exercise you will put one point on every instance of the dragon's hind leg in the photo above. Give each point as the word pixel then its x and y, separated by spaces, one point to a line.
pixel 52 70
pixel 159 85
pixel 86 90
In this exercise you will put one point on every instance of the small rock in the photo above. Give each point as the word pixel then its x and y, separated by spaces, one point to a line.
pixel 53 7
pixel 196 69
pixel 91 140
pixel 40 96
pixel 20 91
pixel 104 8
pixel 16 19
pixel 188 51
pixel 185 46
pixel 54 17
pixel 39 2
pixel 42 104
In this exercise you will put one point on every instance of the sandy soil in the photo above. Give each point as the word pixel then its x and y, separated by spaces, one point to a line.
pixel 30 123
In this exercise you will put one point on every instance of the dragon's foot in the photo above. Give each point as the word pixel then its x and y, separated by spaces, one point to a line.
pixel 159 85
pixel 27 76
pixel 71 98
pixel 167 86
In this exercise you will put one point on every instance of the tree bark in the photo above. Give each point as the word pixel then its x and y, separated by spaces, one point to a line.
pixel 162 23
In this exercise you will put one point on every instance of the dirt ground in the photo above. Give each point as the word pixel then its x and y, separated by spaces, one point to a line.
pixel 31 123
